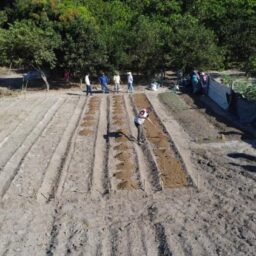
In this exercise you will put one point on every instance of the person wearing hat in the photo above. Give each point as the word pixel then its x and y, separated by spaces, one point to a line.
pixel 130 82
pixel 139 120
pixel 116 80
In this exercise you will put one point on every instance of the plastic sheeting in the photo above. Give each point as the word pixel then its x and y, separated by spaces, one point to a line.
pixel 246 110
pixel 218 93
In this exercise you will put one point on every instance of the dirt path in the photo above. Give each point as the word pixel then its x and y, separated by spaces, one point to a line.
pixel 73 180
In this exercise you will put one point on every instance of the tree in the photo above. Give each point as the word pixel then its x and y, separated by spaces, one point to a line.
pixel 146 45
pixel 193 46
pixel 82 49
pixel 234 24
pixel 26 44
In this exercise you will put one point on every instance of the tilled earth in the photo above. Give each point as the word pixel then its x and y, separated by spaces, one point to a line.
pixel 73 180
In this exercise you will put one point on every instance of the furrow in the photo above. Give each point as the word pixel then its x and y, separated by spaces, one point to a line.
pixel 37 236
pixel 148 239
pixel 12 167
pixel 141 166
pixel 174 241
pixel 179 139
pixel 70 155
pixel 32 169
pixel 53 172
pixel 77 182
pixel 12 121
pixel 123 161
pixel 99 183
pixel 94 243
pixel 119 244
pixel 15 230
pixel 11 144
pixel 163 247
pixel 153 174
pixel 136 239
pixel 146 168
pixel 72 238
pixel 54 232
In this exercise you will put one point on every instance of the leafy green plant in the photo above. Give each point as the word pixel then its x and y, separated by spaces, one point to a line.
pixel 248 90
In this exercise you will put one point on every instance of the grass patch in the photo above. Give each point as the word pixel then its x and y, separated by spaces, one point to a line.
pixel 173 101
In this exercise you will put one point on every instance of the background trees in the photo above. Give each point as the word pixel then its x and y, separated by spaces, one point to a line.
pixel 25 44
pixel 143 36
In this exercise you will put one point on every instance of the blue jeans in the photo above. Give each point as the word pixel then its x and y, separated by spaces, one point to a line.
pixel 130 87
pixel 88 89
pixel 104 88
pixel 140 131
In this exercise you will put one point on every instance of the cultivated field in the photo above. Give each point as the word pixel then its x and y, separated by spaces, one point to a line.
pixel 73 180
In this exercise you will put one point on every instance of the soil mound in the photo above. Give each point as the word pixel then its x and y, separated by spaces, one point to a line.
pixel 127 185
pixel 121 147
pixel 123 156
pixel 87 123
pixel 123 175
pixel 85 132
pixel 125 166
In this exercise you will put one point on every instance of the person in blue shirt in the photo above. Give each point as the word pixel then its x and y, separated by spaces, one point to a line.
pixel 103 79
pixel 130 82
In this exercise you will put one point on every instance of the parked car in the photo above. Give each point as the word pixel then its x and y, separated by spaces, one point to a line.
pixel 33 74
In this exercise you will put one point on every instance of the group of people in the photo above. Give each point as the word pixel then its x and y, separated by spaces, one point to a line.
pixel 199 82
pixel 141 116
pixel 104 81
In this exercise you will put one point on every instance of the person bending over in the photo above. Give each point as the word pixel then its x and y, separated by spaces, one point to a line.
pixel 139 120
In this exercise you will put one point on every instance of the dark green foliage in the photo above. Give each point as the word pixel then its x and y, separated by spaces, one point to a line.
pixel 82 50
pixel 193 46
pixel 143 36
pixel 26 44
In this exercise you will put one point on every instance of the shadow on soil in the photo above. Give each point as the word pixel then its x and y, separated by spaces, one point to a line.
pixel 242 155
pixel 249 168
pixel 118 135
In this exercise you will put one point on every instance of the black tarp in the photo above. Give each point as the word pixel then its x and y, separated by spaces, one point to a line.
pixel 246 110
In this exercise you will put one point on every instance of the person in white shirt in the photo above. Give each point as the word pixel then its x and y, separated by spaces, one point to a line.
pixel 139 120
pixel 88 85
pixel 130 82
pixel 117 81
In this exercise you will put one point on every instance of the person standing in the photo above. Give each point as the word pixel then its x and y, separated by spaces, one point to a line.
pixel 66 76
pixel 204 82
pixel 130 82
pixel 139 120
pixel 195 81
pixel 103 79
pixel 88 85
pixel 116 79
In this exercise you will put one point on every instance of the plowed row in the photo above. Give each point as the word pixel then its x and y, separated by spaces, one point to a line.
pixel 74 181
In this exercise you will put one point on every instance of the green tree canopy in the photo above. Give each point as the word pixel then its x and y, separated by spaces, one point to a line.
pixel 26 44
pixel 132 34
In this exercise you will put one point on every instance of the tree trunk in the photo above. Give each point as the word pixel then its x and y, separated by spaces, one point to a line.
pixel 43 76
pixel 45 80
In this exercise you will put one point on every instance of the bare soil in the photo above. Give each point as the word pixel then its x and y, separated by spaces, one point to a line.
pixel 74 181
